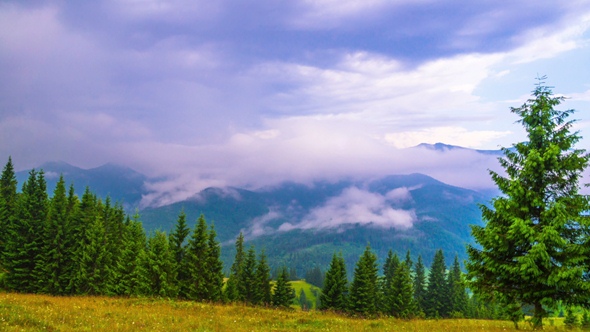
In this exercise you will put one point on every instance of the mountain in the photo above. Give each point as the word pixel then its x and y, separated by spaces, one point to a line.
pixel 446 147
pixel 120 183
pixel 303 225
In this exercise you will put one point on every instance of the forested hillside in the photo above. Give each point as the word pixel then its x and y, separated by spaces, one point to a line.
pixel 64 245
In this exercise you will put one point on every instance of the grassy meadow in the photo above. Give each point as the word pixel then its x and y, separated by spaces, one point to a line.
pixel 24 312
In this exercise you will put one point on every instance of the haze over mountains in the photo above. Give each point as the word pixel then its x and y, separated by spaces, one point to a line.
pixel 303 224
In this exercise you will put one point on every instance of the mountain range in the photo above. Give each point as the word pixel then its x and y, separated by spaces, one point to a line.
pixel 303 225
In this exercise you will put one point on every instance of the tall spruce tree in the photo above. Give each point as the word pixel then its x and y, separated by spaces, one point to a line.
pixel 334 295
pixel 24 244
pixel 82 219
pixel 8 206
pixel 363 290
pixel 283 294
pixel 388 291
pixel 264 295
pixel 437 295
pixel 457 293
pixel 159 266
pixel 233 291
pixel 93 272
pixel 132 277
pixel 214 277
pixel 248 281
pixel 409 262
pixel 196 263
pixel 534 247
pixel 56 259
pixel 402 300
pixel 178 247
pixel 420 285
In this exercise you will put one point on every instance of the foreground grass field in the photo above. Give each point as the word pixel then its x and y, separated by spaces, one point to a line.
pixel 22 312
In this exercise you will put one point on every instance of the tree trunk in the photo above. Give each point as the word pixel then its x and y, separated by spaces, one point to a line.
pixel 538 315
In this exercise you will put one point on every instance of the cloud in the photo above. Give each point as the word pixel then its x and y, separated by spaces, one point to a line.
pixel 223 93
pixel 357 206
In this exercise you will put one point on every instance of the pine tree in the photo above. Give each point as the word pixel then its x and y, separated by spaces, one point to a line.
pixel 391 264
pixel 248 280
pixel 437 295
pixel 24 245
pixel 56 256
pixel 264 295
pixel 409 262
pixel 420 285
pixel 130 267
pixel 233 292
pixel 178 247
pixel 214 277
pixel 196 263
pixel 159 265
pixel 334 295
pixel 93 274
pixel 402 300
pixel 534 247
pixel 8 206
pixel 363 290
pixel 315 277
pixel 457 292
pixel 284 294
pixel 82 218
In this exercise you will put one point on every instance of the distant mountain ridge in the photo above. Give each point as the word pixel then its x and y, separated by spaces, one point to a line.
pixel 301 225
pixel 122 184
pixel 446 147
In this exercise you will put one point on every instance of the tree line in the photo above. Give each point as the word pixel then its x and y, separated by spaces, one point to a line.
pixel 64 245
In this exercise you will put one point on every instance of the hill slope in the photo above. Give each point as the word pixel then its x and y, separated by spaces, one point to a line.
pixel 301 226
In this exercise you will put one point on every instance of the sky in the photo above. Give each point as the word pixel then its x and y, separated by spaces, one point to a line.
pixel 251 93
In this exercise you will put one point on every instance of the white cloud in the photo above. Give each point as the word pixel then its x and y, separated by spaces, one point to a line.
pixel 356 206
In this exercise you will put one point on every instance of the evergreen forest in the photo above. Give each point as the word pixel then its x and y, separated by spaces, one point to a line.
pixel 62 244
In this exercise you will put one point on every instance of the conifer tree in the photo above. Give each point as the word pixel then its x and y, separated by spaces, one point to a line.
pixel 178 247
pixel 409 262
pixel 264 295
pixel 315 277
pixel 391 264
pixel 534 247
pixel 457 292
pixel 283 294
pixel 437 295
pixel 56 258
pixel 214 277
pixel 420 285
pixel 249 282
pixel 334 295
pixel 159 265
pixel 82 218
pixel 402 300
pixel 196 263
pixel 132 276
pixel 93 274
pixel 8 206
pixel 233 291
pixel 363 290
pixel 24 244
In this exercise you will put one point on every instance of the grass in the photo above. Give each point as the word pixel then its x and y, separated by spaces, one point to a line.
pixel 25 312
pixel 298 285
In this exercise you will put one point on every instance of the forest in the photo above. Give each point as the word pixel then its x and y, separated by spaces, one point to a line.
pixel 66 245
